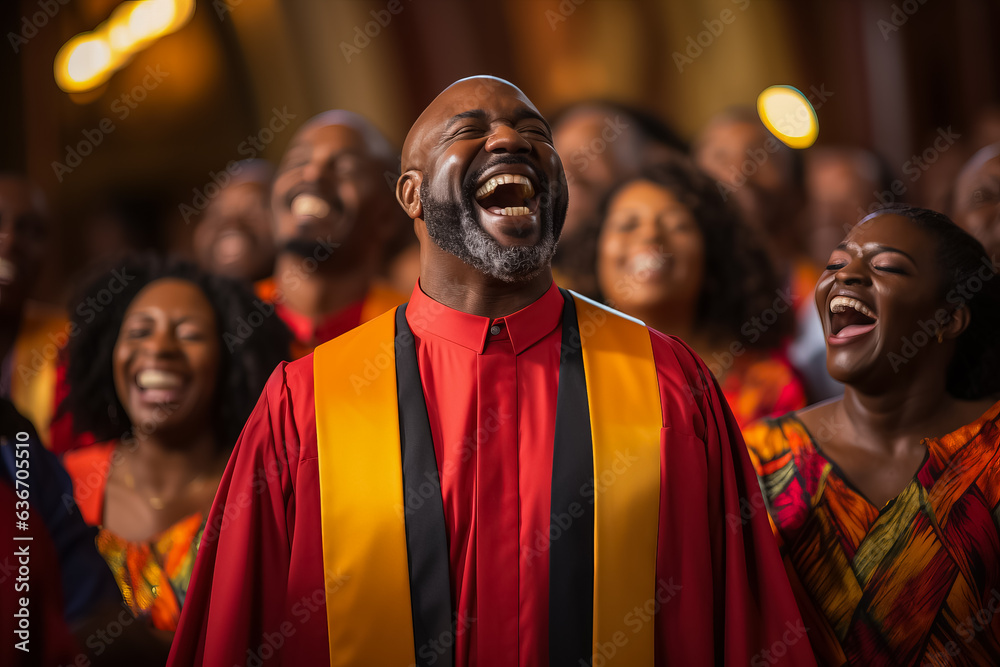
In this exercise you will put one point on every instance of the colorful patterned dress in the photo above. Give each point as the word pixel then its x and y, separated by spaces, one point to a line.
pixel 153 575
pixel 914 583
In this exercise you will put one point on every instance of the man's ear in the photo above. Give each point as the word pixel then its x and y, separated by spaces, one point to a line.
pixel 959 322
pixel 408 193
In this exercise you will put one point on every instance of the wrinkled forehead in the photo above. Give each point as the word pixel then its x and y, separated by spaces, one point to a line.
pixel 482 96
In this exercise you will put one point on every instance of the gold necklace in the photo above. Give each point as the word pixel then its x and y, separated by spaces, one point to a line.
pixel 158 502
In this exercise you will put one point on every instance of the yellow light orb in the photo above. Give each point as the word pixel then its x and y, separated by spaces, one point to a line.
pixel 789 116
pixel 151 19
pixel 83 62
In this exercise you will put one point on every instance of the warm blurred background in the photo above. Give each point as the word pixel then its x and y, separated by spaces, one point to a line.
pixel 887 76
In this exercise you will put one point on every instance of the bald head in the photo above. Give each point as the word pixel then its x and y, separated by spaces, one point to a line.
pixel 482 179
pixel 332 186
pixel 465 96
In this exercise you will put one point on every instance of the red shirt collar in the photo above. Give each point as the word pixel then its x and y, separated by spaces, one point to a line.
pixel 310 333
pixel 525 327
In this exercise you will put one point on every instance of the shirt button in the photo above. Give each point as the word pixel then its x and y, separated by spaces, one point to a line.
pixel 494 330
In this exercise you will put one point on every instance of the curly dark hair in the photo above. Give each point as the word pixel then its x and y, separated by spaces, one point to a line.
pixel 974 371
pixel 740 281
pixel 246 359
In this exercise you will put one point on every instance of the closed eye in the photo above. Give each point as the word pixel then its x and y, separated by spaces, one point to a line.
pixel 834 266
pixel 892 269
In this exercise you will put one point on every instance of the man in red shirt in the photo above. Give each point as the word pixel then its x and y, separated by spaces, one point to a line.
pixel 333 213
pixel 499 472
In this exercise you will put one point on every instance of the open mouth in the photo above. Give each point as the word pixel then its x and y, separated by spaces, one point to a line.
pixel 8 272
pixel 231 246
pixel 850 318
pixel 159 386
pixel 508 195
pixel 648 262
pixel 309 205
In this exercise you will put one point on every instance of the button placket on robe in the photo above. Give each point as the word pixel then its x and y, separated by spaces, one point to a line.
pixel 497 546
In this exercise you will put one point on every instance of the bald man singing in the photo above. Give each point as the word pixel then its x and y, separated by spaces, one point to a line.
pixel 498 472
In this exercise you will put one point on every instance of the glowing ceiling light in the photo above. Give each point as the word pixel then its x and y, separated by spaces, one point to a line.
pixel 789 116
pixel 90 58
pixel 151 19
pixel 83 62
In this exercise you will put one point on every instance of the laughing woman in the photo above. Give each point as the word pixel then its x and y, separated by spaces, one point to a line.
pixel 163 375
pixel 672 253
pixel 885 501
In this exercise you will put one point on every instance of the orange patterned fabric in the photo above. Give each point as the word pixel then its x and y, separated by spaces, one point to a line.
pixel 914 583
pixel 152 575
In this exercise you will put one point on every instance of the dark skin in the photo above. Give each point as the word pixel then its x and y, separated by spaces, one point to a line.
pixel 467 126
pixel 170 329
pixel 874 432
pixel 335 167
pixel 234 237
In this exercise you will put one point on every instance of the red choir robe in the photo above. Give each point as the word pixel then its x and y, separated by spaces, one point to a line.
pixel 720 594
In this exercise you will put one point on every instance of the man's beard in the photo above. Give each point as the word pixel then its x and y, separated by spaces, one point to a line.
pixel 472 244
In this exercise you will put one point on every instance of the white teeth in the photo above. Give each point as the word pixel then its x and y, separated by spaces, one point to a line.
pixel 527 189
pixel 308 204
pixel 515 210
pixel 841 303
pixel 8 271
pixel 154 379
pixel 648 262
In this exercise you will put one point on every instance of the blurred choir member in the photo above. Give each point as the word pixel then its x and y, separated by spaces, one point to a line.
pixel 164 380
pixel 766 179
pixel 673 254
pixel 886 502
pixel 334 213
pixel 235 235
pixel 843 185
pixel 29 331
pixel 976 198
pixel 600 142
